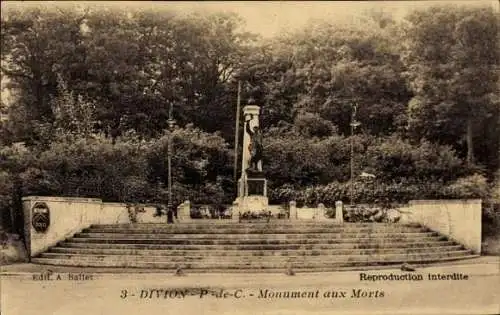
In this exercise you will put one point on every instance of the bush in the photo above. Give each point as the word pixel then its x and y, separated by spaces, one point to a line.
pixel 378 192
pixel 201 165
pixel 209 211
pixel 312 125
pixel 125 169
pixel 291 158
pixel 364 214
pixel 474 186
pixel 262 215
pixel 393 158
pixel 296 160
pixel 491 210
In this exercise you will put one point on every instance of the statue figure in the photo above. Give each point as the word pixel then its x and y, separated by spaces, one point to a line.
pixel 255 146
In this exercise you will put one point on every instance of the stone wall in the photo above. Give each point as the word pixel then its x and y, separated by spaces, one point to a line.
pixel 146 215
pixel 459 220
pixel 70 215
pixel 276 209
pixel 309 213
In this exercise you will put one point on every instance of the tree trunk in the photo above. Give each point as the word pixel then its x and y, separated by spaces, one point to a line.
pixel 470 145
pixel 16 209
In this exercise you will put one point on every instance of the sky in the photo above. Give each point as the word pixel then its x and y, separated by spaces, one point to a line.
pixel 269 18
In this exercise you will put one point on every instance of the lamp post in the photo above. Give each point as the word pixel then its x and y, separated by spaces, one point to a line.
pixel 353 125
pixel 171 124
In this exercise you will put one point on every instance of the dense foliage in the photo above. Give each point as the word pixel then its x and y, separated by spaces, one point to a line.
pixel 91 91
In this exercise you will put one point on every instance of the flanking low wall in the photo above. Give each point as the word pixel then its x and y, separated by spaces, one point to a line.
pixel 147 215
pixel 309 213
pixel 460 220
pixel 70 215
pixel 276 209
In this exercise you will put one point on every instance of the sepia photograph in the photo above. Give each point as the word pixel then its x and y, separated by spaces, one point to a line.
pixel 250 157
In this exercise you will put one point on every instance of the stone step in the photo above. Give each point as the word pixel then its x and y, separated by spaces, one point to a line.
pixel 223 253
pixel 241 259
pixel 253 230
pixel 212 245
pixel 209 224
pixel 318 265
pixel 267 236
pixel 353 245
pixel 377 240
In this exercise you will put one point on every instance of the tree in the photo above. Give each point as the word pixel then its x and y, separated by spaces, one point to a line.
pixel 201 164
pixel 452 58
pixel 324 69
pixel 133 63
pixel 35 43
pixel 72 113
pixel 208 50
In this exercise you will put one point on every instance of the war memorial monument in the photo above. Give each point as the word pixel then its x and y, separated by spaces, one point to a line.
pixel 257 237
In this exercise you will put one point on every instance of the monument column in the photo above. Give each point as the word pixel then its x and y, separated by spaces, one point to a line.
pixel 252 184
pixel 250 117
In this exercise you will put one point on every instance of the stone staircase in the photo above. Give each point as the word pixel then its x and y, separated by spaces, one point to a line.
pixel 218 246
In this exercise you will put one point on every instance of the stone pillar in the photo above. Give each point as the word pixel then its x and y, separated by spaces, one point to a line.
pixel 293 210
pixel 184 211
pixel 339 215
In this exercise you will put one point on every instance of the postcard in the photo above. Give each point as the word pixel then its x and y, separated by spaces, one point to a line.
pixel 250 157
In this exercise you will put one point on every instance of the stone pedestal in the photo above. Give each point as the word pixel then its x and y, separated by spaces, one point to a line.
pixel 252 186
pixel 339 212
pixel 252 203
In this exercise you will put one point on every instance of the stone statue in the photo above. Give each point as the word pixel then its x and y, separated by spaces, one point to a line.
pixel 255 146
